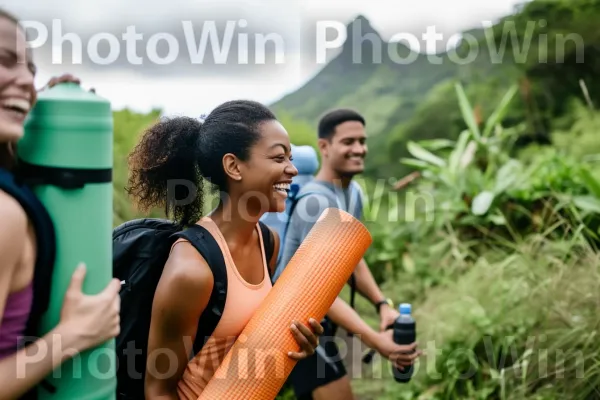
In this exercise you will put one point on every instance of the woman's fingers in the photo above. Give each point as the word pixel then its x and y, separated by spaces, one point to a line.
pixel 318 328
pixel 297 356
pixel 307 334
pixel 307 340
pixel 301 337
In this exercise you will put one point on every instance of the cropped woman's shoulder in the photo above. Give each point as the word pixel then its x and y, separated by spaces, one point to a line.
pixel 14 228
pixel 12 215
pixel 187 267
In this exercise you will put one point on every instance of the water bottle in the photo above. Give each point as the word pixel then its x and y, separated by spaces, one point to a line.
pixel 404 334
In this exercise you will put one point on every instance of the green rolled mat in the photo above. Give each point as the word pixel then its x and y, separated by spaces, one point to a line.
pixel 68 144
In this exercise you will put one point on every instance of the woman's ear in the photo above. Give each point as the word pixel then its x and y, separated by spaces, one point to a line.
pixel 231 165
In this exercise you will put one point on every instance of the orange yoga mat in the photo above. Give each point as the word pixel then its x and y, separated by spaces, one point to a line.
pixel 257 365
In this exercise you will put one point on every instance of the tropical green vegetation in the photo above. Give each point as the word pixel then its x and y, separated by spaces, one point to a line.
pixel 502 268
pixel 495 238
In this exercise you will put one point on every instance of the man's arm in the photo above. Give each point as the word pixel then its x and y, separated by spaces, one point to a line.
pixel 365 283
pixel 367 287
pixel 345 316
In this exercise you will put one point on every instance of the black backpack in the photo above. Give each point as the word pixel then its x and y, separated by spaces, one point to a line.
pixel 46 255
pixel 140 250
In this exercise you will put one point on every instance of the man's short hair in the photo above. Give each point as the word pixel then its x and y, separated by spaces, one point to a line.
pixel 330 120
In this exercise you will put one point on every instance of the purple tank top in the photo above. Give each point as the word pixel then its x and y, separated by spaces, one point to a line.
pixel 14 320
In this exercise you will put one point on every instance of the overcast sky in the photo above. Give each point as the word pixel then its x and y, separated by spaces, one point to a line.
pixel 181 86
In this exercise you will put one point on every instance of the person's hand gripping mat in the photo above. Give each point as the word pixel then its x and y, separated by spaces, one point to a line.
pixel 257 365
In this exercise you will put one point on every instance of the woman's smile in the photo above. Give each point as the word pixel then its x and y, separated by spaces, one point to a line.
pixel 282 188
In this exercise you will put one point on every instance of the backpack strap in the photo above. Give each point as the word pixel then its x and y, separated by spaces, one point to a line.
pixel 294 202
pixel 46 243
pixel 46 255
pixel 269 244
pixel 208 247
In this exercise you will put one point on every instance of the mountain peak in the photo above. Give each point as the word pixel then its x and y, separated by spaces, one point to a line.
pixel 361 39
pixel 362 18
pixel 362 25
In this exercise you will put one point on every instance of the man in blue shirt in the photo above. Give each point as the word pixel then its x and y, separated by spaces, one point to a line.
pixel 342 144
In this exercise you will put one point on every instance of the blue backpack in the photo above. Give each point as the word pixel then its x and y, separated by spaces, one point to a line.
pixel 305 160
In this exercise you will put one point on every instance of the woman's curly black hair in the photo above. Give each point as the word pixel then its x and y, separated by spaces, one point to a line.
pixel 174 157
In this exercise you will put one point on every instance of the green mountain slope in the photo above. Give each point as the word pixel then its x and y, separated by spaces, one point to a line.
pixel 389 93
pixel 382 88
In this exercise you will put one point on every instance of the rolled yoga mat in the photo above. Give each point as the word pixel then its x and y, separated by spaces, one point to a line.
pixel 257 365
pixel 67 154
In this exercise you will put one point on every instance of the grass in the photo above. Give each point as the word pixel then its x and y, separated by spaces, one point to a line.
pixel 518 324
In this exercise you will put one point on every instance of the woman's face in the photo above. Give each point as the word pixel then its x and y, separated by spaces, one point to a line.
pixel 268 173
pixel 17 90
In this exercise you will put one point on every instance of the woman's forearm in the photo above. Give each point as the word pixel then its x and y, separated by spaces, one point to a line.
pixel 29 366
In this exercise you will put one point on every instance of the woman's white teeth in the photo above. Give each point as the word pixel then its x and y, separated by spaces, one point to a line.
pixel 20 105
pixel 284 187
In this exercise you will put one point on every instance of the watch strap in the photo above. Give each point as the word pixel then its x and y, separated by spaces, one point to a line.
pixel 382 302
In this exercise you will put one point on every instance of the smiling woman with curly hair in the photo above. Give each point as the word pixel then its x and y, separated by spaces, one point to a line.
pixel 245 152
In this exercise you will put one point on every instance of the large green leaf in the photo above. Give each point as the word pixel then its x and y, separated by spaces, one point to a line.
pixel 482 203
pixel 457 153
pixel 408 263
pixel 507 175
pixel 386 255
pixel 587 203
pixel 437 144
pixel 499 112
pixel 497 218
pixel 592 183
pixel 411 162
pixel 468 155
pixel 467 111
pixel 424 155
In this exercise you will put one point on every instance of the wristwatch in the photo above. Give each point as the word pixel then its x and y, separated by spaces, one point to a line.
pixel 378 305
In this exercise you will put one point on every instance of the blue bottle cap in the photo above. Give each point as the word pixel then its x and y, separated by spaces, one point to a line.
pixel 405 309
